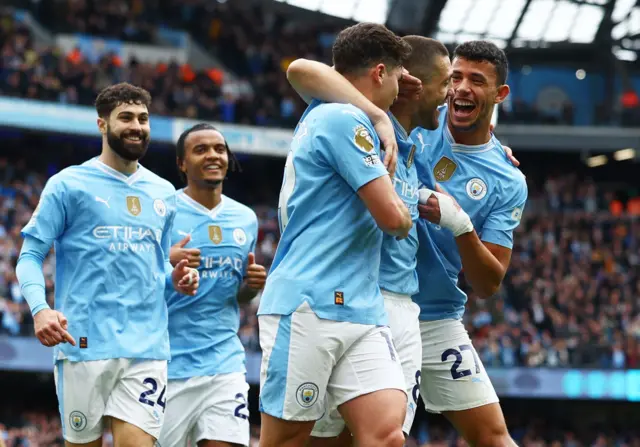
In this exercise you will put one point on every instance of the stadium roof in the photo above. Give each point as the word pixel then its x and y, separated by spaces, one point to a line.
pixel 517 23
pixel 533 23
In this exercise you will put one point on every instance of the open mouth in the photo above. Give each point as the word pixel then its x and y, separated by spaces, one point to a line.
pixel 212 168
pixel 463 107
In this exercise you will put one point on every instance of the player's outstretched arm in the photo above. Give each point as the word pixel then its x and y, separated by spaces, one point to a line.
pixel 313 79
pixel 386 207
pixel 254 281
pixel 50 325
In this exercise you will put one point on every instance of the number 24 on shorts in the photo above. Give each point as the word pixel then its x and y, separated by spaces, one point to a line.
pixel 144 397
pixel 455 374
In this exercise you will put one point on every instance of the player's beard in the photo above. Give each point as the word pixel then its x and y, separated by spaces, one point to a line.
pixel 126 150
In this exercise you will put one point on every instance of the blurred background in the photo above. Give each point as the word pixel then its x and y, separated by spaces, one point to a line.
pixel 561 339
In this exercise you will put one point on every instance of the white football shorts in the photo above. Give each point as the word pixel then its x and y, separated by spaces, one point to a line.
pixel 133 391
pixel 310 364
pixel 403 316
pixel 211 408
pixel 453 377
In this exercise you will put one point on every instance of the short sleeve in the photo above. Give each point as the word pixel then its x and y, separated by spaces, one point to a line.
pixel 499 225
pixel 167 231
pixel 347 141
pixel 252 230
pixel 48 220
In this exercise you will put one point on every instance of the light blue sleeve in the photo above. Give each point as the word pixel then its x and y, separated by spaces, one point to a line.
pixel 165 241
pixel 29 273
pixel 499 225
pixel 47 222
pixel 254 240
pixel 348 143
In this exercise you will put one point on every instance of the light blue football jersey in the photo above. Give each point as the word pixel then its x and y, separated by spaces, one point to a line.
pixel 398 257
pixel 203 329
pixel 487 186
pixel 329 250
pixel 111 235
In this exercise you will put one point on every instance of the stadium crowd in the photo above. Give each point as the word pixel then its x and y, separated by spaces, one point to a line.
pixel 255 43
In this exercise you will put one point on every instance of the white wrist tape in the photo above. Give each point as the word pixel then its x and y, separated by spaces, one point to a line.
pixel 452 217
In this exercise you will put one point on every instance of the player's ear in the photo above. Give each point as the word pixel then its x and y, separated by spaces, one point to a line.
pixel 102 125
pixel 503 92
pixel 378 73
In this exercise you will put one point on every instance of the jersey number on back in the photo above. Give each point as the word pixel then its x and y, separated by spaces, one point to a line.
pixel 288 183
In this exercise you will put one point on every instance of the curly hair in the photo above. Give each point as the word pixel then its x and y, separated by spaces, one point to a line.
pixel 118 94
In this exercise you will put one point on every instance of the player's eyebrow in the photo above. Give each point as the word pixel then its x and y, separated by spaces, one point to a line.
pixel 128 114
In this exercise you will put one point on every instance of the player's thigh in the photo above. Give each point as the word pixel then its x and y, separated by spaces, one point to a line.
pixel 126 434
pixel 453 377
pixel 368 385
pixel 224 416
pixel 137 403
pixel 481 426
pixel 83 389
pixel 405 328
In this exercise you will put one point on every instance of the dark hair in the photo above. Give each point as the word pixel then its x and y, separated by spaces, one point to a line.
pixel 180 148
pixel 364 45
pixel 123 93
pixel 424 52
pixel 485 51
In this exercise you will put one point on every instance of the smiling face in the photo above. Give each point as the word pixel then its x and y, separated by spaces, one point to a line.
pixel 206 159
pixel 476 91
pixel 127 130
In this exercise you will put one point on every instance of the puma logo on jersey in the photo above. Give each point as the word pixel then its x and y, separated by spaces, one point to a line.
pixel 422 143
pixel 184 233
pixel 106 202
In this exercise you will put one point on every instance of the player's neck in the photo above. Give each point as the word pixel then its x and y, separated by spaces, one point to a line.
pixel 207 197
pixel 364 86
pixel 114 161
pixel 475 137
pixel 405 122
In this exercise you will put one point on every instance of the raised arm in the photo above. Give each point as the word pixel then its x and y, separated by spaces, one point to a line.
pixel 315 80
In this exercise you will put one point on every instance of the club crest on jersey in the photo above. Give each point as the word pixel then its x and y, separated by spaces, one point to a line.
pixel 77 420
pixel 411 156
pixel 444 169
pixel 476 188
pixel 516 214
pixel 215 234
pixel 240 236
pixel 159 207
pixel 133 205
pixel 307 394
pixel 363 139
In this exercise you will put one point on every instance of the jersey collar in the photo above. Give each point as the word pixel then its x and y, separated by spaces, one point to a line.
pixel 456 147
pixel 213 213
pixel 128 179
